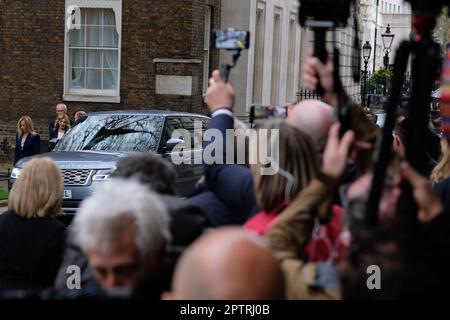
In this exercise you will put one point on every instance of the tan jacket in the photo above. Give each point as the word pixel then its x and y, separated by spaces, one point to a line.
pixel 292 231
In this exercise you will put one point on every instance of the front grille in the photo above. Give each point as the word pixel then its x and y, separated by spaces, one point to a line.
pixel 76 177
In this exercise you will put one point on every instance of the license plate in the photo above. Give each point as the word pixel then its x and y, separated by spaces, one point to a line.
pixel 67 194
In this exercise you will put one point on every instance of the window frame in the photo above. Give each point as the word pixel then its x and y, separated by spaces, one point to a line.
pixel 167 131
pixel 207 46
pixel 93 95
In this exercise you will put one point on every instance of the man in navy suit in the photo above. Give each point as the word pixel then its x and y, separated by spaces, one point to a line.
pixel 231 183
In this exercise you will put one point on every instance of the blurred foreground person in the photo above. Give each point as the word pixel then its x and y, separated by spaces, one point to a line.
pixel 298 166
pixel 124 231
pixel 413 255
pixel 227 264
pixel 217 212
pixel 31 238
pixel 412 268
pixel 315 118
pixel 254 193
pixel 400 142
pixel 294 227
pixel 187 221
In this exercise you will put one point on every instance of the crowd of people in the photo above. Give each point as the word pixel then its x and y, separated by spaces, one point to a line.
pixel 300 233
pixel 28 141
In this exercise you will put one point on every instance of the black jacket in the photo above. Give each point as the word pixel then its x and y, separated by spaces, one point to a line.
pixel 31 147
pixel 30 251
pixel 231 183
pixel 54 134
pixel 215 210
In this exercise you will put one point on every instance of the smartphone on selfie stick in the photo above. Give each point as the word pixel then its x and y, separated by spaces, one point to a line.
pixel 231 40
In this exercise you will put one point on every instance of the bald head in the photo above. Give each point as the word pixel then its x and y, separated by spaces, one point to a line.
pixel 228 264
pixel 61 109
pixel 313 117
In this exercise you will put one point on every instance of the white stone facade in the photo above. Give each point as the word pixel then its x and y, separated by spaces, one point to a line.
pixel 396 13
pixel 270 72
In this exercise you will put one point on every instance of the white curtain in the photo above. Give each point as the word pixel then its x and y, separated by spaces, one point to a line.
pixel 77 57
pixel 99 37
pixel 110 57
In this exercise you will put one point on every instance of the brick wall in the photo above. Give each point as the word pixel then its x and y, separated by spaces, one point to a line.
pixel 32 57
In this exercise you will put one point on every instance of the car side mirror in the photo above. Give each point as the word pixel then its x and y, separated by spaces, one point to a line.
pixel 172 143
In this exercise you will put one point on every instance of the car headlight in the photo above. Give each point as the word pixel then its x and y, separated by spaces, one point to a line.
pixel 102 175
pixel 15 173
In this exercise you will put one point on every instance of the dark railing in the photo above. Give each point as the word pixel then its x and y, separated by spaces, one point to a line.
pixel 382 88
pixel 435 107
pixel 305 94
pixel 372 93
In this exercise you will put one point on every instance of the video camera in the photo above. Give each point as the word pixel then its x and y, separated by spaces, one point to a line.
pixel 321 17
pixel 335 12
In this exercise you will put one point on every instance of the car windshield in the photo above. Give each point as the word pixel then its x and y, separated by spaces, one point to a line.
pixel 114 133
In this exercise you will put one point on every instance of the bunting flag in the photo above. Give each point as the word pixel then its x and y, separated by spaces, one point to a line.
pixel 445 95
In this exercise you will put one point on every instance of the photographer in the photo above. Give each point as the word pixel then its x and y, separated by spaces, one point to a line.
pixel 293 228
pixel 427 253
pixel 355 118
pixel 250 191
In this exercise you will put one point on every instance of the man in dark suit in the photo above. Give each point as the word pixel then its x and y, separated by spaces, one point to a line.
pixel 61 109
pixel 231 183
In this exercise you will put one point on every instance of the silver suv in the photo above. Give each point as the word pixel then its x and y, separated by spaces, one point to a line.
pixel 88 153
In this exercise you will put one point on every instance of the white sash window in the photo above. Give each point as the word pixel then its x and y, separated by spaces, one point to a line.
pixel 92 51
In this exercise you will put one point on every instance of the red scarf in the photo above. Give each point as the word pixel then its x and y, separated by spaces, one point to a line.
pixel 263 221
pixel 316 250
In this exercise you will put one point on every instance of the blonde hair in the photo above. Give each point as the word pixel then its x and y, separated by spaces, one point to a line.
pixel 29 125
pixel 65 117
pixel 442 169
pixel 38 192
pixel 297 156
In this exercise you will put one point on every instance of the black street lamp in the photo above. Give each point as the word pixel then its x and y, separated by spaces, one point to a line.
pixel 388 38
pixel 367 50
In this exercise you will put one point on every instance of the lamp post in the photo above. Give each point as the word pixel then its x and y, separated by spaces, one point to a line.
pixel 388 38
pixel 367 50
pixel 375 40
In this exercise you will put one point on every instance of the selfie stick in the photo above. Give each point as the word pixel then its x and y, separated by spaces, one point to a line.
pixel 225 69
pixel 320 29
